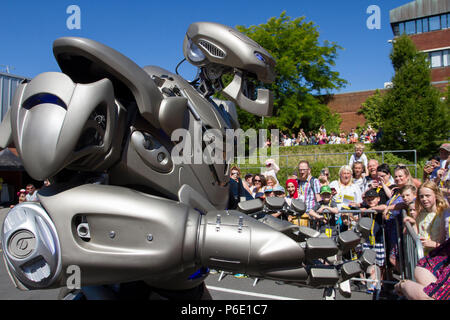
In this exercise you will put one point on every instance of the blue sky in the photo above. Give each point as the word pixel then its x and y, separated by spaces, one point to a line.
pixel 151 32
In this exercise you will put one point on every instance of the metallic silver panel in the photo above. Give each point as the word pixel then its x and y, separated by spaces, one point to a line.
pixel 418 9
pixel 31 245
pixel 153 238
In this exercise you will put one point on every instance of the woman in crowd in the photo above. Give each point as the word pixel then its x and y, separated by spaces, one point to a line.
pixel 324 177
pixel 345 193
pixel 238 190
pixel 429 224
pixel 292 189
pixel 383 183
pixel 432 275
pixel 259 182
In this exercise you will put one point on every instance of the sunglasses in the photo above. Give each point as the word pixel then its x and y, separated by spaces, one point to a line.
pixel 256 180
pixel 234 173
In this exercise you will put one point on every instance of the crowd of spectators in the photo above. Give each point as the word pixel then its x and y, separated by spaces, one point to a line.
pixel 302 138
pixel 30 193
pixel 384 193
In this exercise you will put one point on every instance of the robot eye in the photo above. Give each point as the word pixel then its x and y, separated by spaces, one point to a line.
pixel 260 57
pixel 194 53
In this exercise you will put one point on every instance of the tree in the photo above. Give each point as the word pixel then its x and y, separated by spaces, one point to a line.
pixel 371 110
pixel 412 112
pixel 303 73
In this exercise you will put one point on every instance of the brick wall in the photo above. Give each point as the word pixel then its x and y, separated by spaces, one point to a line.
pixel 347 105
pixel 440 74
pixel 431 40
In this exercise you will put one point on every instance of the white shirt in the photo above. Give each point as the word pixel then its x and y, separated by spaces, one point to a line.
pixel 354 158
pixel 32 197
pixel 345 194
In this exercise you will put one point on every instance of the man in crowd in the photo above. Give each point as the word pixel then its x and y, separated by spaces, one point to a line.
pixel 31 193
pixel 372 166
pixel 308 186
pixel 444 152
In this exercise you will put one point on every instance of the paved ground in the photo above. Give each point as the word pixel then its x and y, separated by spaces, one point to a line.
pixel 228 288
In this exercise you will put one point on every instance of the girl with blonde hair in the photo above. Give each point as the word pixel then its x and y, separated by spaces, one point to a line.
pixel 429 224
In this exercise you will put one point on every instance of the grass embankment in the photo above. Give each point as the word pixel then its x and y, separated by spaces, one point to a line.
pixel 328 155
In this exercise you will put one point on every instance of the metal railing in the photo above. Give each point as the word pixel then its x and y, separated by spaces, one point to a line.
pixel 412 249
pixel 284 159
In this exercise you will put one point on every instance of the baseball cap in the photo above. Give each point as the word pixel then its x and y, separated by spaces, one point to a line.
pixel 371 193
pixel 278 188
pixel 268 190
pixel 445 146
pixel 325 189
pixel 259 195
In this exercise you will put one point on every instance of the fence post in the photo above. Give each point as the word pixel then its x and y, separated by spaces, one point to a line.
pixel 382 156
pixel 415 163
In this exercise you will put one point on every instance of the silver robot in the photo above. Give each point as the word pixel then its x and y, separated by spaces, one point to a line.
pixel 120 209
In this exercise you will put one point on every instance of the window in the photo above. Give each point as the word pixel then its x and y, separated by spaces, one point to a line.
pixel 435 23
pixel 425 24
pixel 401 26
pixel 410 27
pixel 435 58
pixel 446 58
pixel 396 30
pixel 419 26
pixel 444 22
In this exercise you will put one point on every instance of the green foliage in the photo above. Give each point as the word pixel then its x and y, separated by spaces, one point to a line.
pixel 303 71
pixel 412 112
pixel 371 110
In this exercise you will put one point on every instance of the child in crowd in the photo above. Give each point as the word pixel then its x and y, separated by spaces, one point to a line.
pixel 271 181
pixel 359 156
pixel 323 213
pixel 359 174
pixel 375 241
pixel 429 224
pixel 271 169
pixel 408 194
pixel 22 196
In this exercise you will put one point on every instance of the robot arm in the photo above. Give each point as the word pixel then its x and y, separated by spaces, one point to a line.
pixel 118 235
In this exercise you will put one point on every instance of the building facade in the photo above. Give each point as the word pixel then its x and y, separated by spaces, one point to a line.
pixel 8 86
pixel 427 23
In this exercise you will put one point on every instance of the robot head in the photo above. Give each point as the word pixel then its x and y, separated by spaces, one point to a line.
pixel 218 49
pixel 212 43
pixel 57 122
